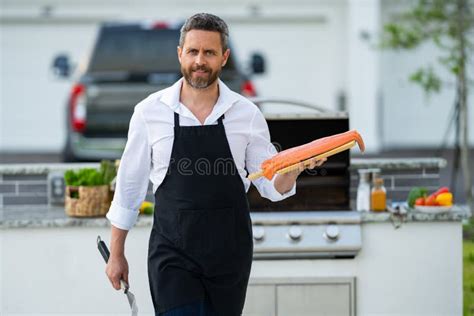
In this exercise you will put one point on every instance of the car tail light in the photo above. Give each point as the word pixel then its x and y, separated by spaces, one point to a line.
pixel 78 108
pixel 160 26
pixel 248 89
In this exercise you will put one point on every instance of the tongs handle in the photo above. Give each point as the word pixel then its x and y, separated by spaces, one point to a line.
pixel 104 251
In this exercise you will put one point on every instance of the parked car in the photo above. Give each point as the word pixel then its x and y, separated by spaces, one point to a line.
pixel 128 62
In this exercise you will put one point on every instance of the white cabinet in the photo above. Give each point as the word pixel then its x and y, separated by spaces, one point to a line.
pixel 260 300
pixel 300 296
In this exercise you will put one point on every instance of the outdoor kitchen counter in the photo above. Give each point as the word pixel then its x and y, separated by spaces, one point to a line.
pixel 43 217
pixel 419 264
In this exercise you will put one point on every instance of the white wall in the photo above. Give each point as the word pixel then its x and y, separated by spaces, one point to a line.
pixel 32 100
pixel 363 71
pixel 307 57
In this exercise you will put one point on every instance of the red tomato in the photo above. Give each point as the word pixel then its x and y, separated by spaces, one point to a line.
pixel 431 201
pixel 420 201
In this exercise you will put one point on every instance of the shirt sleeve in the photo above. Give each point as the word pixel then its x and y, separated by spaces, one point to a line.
pixel 259 149
pixel 132 176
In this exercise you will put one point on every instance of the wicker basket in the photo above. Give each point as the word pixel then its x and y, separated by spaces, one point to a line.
pixel 91 201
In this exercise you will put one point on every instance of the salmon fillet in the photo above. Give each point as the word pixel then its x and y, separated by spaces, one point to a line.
pixel 297 154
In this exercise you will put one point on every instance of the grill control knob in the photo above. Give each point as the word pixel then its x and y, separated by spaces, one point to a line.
pixel 332 233
pixel 295 233
pixel 258 233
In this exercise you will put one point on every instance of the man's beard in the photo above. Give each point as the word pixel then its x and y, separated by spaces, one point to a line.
pixel 200 82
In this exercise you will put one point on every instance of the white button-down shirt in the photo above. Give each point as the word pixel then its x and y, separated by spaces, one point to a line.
pixel 147 152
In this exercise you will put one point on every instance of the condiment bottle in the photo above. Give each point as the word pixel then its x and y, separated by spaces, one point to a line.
pixel 374 173
pixel 378 196
pixel 363 191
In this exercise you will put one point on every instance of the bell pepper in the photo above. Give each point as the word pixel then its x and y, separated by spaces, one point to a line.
pixel 445 199
pixel 441 190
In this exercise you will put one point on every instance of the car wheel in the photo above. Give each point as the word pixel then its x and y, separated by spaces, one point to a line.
pixel 67 154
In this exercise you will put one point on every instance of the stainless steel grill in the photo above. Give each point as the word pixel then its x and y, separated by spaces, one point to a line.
pixel 298 235
pixel 316 222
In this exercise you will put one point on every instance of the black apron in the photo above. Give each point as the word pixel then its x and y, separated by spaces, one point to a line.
pixel 201 241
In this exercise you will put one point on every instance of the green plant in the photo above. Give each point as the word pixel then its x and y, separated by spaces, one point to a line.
pixel 468 277
pixel 91 176
pixel 108 170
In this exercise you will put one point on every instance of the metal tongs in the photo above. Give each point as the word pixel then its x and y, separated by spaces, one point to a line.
pixel 104 251
pixel 398 214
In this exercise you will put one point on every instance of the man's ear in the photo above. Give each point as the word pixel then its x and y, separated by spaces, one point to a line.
pixel 225 57
pixel 179 51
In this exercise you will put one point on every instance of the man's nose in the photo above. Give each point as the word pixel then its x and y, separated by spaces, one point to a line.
pixel 200 59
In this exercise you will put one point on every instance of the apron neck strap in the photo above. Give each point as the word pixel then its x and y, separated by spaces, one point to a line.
pixel 220 120
pixel 176 119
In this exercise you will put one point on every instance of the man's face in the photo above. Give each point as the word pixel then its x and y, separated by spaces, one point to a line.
pixel 201 58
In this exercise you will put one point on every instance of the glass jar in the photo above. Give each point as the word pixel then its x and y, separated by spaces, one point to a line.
pixel 378 196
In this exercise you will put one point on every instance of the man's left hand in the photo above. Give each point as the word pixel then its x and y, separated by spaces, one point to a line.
pixel 284 182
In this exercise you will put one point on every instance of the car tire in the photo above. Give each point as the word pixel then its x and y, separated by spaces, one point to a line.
pixel 67 154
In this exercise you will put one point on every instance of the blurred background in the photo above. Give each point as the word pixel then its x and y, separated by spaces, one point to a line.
pixel 317 51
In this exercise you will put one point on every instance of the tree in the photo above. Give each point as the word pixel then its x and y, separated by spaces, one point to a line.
pixel 449 24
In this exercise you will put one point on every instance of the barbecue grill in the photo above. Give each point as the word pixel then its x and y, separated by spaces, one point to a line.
pixel 317 222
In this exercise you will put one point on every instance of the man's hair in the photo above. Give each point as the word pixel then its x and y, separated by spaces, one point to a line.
pixel 205 22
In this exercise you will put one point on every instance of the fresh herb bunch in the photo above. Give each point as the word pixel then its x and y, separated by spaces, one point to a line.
pixel 108 171
pixel 91 176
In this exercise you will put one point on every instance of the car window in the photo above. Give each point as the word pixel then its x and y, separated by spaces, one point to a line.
pixel 136 50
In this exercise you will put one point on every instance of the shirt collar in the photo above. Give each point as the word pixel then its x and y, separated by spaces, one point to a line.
pixel 226 99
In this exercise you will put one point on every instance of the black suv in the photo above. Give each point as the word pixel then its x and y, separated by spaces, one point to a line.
pixel 129 61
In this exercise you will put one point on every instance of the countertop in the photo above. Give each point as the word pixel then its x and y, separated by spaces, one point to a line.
pixel 54 216
pixel 50 217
